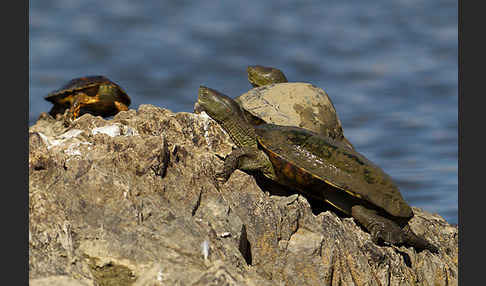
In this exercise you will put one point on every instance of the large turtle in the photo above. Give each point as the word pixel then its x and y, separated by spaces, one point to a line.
pixel 90 94
pixel 317 166
pixel 275 100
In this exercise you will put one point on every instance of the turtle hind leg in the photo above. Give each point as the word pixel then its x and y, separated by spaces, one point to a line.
pixel 379 227
pixel 418 242
pixel 386 230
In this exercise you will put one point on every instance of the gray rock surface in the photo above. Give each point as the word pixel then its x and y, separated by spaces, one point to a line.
pixel 295 104
pixel 134 201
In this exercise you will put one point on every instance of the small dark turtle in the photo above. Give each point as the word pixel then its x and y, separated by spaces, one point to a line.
pixel 96 95
pixel 260 75
pixel 318 166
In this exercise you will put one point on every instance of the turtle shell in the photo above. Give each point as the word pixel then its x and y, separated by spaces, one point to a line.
pixel 309 161
pixel 88 85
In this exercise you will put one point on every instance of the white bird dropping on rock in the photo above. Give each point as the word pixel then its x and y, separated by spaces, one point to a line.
pixel 205 249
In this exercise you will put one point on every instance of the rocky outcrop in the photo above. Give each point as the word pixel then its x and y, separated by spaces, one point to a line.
pixel 134 201
pixel 295 104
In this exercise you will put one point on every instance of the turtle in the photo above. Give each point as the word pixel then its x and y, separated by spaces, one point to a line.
pixel 262 75
pixel 275 100
pixel 317 166
pixel 95 94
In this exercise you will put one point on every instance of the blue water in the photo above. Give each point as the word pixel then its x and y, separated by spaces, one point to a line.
pixel 390 67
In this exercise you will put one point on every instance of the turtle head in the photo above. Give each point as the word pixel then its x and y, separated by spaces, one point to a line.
pixel 217 105
pixel 260 75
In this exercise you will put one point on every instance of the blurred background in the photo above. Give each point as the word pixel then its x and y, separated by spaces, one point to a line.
pixel 390 67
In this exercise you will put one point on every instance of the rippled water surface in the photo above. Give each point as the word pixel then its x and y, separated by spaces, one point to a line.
pixel 390 67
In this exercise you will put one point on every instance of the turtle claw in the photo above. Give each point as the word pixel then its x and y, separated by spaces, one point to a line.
pixel 67 118
pixel 67 121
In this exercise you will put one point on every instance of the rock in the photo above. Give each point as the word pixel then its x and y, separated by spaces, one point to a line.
pixel 134 201
pixel 59 281
pixel 295 104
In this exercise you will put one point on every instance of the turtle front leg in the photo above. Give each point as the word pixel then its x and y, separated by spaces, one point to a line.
pixel 389 231
pixel 246 159
pixel 108 93
pixel 80 101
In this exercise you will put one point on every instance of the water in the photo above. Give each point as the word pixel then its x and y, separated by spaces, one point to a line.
pixel 390 67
